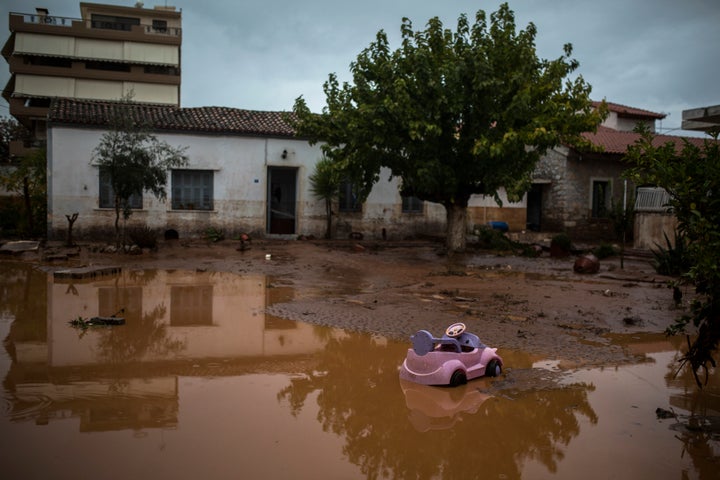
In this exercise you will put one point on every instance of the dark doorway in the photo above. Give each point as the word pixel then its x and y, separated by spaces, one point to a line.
pixel 534 207
pixel 282 188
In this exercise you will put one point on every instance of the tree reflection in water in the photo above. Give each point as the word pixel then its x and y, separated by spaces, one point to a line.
pixel 359 398
pixel 699 431
pixel 144 335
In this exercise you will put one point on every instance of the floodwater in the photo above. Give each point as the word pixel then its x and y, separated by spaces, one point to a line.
pixel 201 383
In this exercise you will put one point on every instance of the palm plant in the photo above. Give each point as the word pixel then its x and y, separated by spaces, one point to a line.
pixel 324 184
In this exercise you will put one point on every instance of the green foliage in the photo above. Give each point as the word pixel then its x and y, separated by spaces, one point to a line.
pixel 134 159
pixel 491 239
pixel 671 259
pixel 452 113
pixel 143 237
pixel 691 176
pixel 10 130
pixel 27 178
pixel 214 235
pixel 605 250
pixel 324 184
pixel 562 242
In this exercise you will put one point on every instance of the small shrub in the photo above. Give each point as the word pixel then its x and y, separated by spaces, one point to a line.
pixel 560 245
pixel 143 237
pixel 491 239
pixel 604 251
pixel 672 259
pixel 214 235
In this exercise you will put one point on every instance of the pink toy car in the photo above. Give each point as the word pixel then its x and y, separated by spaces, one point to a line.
pixel 452 360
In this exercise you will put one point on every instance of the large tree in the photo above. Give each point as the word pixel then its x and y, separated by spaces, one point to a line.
pixel 452 113
pixel 691 176
pixel 134 159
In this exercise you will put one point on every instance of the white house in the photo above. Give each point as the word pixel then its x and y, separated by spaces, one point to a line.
pixel 247 172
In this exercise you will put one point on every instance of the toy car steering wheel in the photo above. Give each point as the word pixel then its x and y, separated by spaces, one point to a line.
pixel 455 330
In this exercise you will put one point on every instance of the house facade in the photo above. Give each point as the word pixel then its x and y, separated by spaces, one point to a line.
pixel 246 173
pixel 576 191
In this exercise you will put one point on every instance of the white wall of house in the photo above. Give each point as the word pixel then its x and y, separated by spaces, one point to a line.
pixel 240 190
pixel 624 124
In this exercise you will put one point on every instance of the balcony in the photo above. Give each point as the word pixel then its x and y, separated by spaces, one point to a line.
pixel 33 22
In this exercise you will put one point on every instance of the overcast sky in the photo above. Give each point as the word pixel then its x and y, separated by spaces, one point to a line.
pixel 660 55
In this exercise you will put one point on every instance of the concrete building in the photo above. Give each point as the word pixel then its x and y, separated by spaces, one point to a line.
pixel 575 191
pixel 703 119
pixel 110 52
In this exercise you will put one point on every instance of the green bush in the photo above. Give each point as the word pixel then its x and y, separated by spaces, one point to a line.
pixel 491 239
pixel 604 251
pixel 671 259
pixel 214 235
pixel 561 241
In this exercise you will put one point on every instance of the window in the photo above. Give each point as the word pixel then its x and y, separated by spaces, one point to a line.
pixel 159 26
pixel 112 22
pixel 348 201
pixel 161 70
pixel 48 61
pixel 411 204
pixel 600 198
pixel 192 189
pixel 107 66
pixel 107 195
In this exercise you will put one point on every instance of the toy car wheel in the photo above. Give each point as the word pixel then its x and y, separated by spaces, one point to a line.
pixel 493 369
pixel 455 330
pixel 458 378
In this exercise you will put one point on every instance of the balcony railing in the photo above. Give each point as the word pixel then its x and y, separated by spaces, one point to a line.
pixel 68 22
pixel 46 19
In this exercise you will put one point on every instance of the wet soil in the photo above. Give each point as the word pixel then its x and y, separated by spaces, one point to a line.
pixel 537 305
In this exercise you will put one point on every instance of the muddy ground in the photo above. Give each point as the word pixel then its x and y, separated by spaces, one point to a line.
pixel 537 305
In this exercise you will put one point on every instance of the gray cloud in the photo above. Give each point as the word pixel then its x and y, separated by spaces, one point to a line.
pixel 660 55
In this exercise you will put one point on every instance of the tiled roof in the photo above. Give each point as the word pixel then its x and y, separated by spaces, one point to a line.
pixel 163 117
pixel 617 142
pixel 625 111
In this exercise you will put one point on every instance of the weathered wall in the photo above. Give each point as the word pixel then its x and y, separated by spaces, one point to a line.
pixel 651 227
pixel 567 202
pixel 240 166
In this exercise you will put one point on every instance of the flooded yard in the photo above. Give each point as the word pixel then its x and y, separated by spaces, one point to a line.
pixel 201 381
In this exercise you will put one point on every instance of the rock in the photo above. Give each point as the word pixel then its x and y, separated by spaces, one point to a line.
pixel 588 263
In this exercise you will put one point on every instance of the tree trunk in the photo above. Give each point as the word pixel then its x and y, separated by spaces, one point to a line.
pixel 328 225
pixel 28 206
pixel 117 222
pixel 456 219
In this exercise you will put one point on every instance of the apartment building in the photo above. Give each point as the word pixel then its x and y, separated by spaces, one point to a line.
pixel 107 53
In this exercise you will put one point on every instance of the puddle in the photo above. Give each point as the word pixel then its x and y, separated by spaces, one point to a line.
pixel 201 382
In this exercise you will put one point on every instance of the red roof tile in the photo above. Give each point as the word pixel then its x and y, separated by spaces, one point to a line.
pixel 625 111
pixel 617 142
pixel 163 117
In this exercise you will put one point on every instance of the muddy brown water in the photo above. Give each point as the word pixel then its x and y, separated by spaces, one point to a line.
pixel 202 382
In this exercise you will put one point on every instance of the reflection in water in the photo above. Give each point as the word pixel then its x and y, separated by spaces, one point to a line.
pixel 201 382
pixel 492 436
